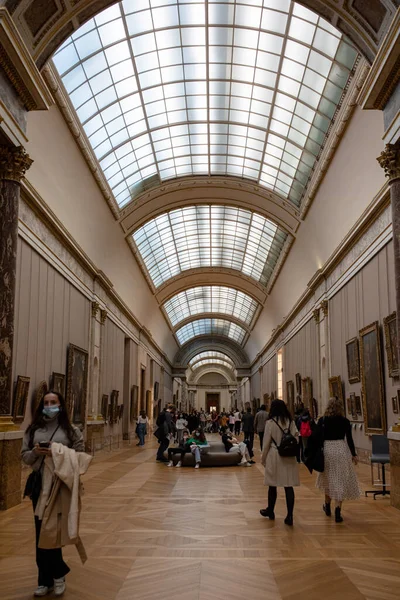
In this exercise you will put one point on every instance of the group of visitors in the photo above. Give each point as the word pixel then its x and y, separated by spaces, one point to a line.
pixel 54 448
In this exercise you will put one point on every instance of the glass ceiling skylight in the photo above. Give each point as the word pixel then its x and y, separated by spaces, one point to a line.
pixel 211 327
pixel 209 236
pixel 166 89
pixel 209 363
pixel 211 356
pixel 210 299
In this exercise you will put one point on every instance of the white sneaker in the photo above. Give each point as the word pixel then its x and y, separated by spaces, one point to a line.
pixel 59 586
pixel 178 464
pixel 170 464
pixel 42 590
pixel 243 462
pixel 247 464
pixel 197 466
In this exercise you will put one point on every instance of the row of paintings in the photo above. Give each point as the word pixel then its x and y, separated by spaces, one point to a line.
pixel 111 411
pixel 304 396
pixel 73 387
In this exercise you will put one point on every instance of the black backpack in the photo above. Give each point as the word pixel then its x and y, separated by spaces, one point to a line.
pixel 289 444
pixel 160 419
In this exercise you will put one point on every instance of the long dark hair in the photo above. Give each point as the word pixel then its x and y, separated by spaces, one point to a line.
pixel 39 422
pixel 201 437
pixel 279 410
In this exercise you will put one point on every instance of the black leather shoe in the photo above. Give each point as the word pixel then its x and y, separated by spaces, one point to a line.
pixel 338 516
pixel 327 509
pixel 289 521
pixel 265 512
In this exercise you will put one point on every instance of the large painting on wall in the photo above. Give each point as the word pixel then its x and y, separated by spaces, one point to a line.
pixel 77 374
pixel 336 389
pixel 58 383
pixel 306 393
pixel 20 398
pixel 134 403
pixel 353 360
pixel 290 396
pixel 41 390
pixel 372 380
pixel 390 326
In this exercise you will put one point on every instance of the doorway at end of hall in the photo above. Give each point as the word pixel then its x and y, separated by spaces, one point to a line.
pixel 213 402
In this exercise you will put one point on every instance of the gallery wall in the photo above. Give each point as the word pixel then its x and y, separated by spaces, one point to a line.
pixel 50 314
pixel 300 355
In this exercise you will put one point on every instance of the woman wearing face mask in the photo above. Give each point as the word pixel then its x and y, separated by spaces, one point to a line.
pixel 50 424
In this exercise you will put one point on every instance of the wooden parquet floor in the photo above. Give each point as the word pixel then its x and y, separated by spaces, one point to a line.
pixel 154 533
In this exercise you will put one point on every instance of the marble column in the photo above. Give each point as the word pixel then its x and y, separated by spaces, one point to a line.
pixel 389 160
pixel 14 162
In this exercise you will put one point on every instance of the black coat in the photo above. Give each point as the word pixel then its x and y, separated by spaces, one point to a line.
pixel 248 423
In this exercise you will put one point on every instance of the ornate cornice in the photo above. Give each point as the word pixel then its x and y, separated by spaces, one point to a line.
pixel 14 162
pixel 389 160
pixel 16 80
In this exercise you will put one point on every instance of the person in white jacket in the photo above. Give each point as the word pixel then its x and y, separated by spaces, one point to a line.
pixel 50 423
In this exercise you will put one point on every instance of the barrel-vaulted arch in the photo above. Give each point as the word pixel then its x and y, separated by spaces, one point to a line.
pixel 44 30
pixel 168 90
pixel 210 356
pixel 194 378
pixel 217 344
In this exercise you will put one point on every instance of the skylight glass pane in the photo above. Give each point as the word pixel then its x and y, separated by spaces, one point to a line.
pixel 209 236
pixel 209 299
pixel 211 356
pixel 219 327
pixel 134 55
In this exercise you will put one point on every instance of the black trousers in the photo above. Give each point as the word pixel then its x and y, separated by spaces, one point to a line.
pixel 49 562
pixel 164 443
pixel 289 493
pixel 180 451
pixel 249 441
pixel 261 436
pixel 237 427
pixel 231 427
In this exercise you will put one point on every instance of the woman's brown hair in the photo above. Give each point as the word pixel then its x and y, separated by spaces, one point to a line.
pixel 334 408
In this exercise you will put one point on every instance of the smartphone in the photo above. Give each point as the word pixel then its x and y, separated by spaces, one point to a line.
pixel 44 444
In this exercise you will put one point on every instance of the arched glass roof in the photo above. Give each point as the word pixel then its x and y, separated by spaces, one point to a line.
pixel 211 327
pixel 168 88
pixel 209 236
pixel 207 299
pixel 211 356
pixel 211 363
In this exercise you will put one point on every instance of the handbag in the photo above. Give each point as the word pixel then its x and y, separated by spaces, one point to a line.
pixel 318 461
pixel 33 485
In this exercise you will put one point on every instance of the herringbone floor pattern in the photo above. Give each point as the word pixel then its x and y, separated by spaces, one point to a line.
pixel 155 533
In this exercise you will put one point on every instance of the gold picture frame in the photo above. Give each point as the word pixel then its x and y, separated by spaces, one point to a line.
pixel 41 390
pixel 134 403
pixel 77 376
pixel 373 392
pixel 353 360
pixel 104 406
pixel 336 388
pixel 290 396
pixel 58 383
pixel 20 398
pixel 390 328
pixel 307 393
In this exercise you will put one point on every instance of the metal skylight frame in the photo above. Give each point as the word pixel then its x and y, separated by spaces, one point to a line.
pixel 210 356
pixel 210 299
pixel 166 89
pixel 209 236
pixel 215 362
pixel 220 327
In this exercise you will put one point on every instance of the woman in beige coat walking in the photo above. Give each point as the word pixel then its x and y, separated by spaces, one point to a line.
pixel 280 471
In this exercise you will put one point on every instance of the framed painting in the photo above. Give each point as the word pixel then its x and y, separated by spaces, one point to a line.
pixel 104 406
pixel 77 374
pixel 114 406
pixel 156 390
pixel 315 411
pixel 120 411
pixel 353 411
pixel 134 403
pixel 395 405
pixel 336 388
pixel 390 327
pixel 290 396
pixel 372 380
pixel 358 405
pixel 353 360
pixel 306 392
pixel 41 390
pixel 298 384
pixel 20 398
pixel 58 383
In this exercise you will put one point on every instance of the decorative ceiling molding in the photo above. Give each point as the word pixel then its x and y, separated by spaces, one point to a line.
pixel 211 315
pixel 206 343
pixel 230 191
pixel 195 376
pixel 20 68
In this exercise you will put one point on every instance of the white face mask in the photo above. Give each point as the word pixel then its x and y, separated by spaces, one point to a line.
pixel 51 411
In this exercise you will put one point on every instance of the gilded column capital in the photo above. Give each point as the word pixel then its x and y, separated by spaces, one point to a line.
pixel 324 307
pixel 95 309
pixel 14 162
pixel 316 315
pixel 103 316
pixel 389 160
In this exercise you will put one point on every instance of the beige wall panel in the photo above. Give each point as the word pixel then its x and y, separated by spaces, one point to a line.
pixel 367 297
pixel 255 386
pixel 112 367
pixel 61 176
pixel 43 323
pixel 270 370
pixel 353 179
pixel 300 355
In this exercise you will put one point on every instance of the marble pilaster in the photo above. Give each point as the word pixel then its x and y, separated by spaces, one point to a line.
pixel 389 160
pixel 14 162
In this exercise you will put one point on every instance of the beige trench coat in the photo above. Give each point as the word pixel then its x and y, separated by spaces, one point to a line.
pixel 280 471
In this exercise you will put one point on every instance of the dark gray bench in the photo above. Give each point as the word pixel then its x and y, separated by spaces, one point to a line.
pixel 215 457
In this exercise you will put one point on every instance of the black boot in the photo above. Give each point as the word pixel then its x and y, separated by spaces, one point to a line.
pixel 327 509
pixel 266 512
pixel 338 516
pixel 289 520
